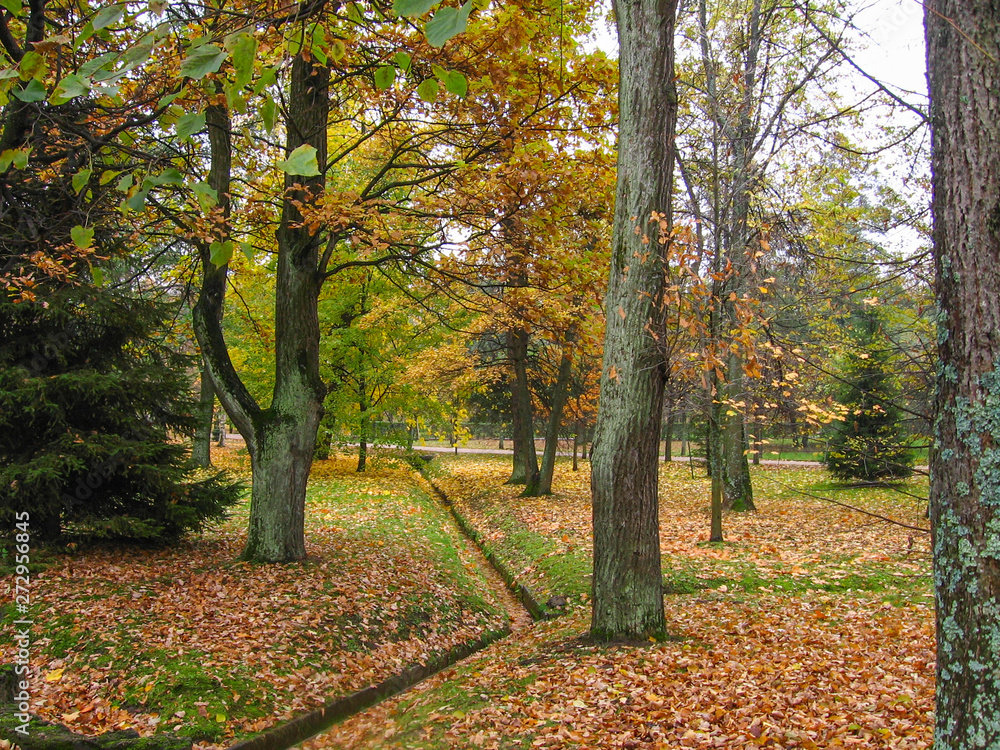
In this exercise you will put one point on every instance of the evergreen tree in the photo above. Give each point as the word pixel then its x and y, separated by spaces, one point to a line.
pixel 90 404
pixel 870 443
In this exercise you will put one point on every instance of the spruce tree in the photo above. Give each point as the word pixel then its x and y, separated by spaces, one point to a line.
pixel 870 443
pixel 91 406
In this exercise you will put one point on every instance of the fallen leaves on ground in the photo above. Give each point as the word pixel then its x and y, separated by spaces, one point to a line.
pixel 188 640
pixel 810 628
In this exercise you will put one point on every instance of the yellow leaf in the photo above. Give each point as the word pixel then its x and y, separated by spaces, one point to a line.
pixel 54 676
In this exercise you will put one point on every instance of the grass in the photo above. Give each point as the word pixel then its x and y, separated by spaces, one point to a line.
pixel 546 541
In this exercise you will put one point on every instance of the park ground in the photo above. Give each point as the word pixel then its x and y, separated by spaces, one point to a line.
pixel 810 627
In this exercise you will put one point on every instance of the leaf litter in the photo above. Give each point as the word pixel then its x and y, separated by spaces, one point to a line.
pixel 187 640
pixel 810 628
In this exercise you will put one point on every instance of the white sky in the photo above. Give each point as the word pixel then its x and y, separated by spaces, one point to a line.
pixel 892 31
pixel 895 53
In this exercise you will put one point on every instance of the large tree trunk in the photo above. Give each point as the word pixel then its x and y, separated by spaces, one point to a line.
pixel 560 395
pixel 963 74
pixel 201 445
pixel 281 440
pixel 628 582
pixel 525 469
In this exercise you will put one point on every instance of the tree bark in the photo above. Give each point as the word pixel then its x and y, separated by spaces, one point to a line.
pixel 963 71
pixel 737 490
pixel 525 470
pixel 560 395
pixel 628 582
pixel 668 436
pixel 281 440
pixel 201 445
pixel 363 422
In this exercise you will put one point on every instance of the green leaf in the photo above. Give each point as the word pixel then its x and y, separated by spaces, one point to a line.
pixel 456 83
pixel 167 100
pixel 69 87
pixel 302 161
pixel 243 49
pixel 31 66
pixel 33 92
pixel 134 57
pixel 265 79
pixel 92 66
pixel 169 176
pixel 83 237
pixel 21 158
pixel 220 253
pixel 203 60
pixel 439 72
pixel 268 113
pixel 14 7
pixel 208 197
pixel 125 183
pixel 6 159
pixel 108 176
pixel 98 275
pixel 107 16
pixel 137 201
pixel 8 73
pixel 81 179
pixel 412 8
pixel 188 125
pixel 447 22
pixel 354 14
pixel 384 77
pixel 428 90
pixel 338 51
pixel 247 249
pixel 404 61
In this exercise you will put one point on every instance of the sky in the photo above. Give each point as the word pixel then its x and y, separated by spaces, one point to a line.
pixel 895 37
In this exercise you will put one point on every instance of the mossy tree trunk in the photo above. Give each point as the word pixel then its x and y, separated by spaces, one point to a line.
pixel 281 439
pixel 628 582
pixel 963 74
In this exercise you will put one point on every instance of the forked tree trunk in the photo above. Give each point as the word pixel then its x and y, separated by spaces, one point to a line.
pixel 281 440
pixel 628 582
pixel 963 72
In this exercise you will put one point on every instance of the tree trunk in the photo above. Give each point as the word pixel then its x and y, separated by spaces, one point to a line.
pixel 223 428
pixel 737 490
pixel 560 395
pixel 281 440
pixel 525 469
pixel 363 422
pixel 576 447
pixel 668 437
pixel 963 71
pixel 201 446
pixel 628 582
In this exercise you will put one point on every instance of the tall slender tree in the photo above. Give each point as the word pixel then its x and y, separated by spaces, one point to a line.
pixel 963 67
pixel 628 585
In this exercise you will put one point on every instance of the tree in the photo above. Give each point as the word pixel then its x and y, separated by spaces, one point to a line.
pixel 869 444
pixel 628 582
pixel 962 68
pixel 89 400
